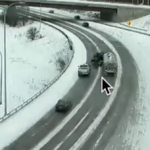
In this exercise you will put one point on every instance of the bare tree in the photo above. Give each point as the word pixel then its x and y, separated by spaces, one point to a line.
pixel 23 11
pixel 32 33
pixel 11 16
pixel 14 17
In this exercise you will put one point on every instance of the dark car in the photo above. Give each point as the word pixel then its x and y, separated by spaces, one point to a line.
pixel 51 11
pixel 97 59
pixel 85 24
pixel 63 106
pixel 77 17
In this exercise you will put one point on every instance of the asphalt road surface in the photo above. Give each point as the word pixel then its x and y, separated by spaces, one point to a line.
pixel 94 104
pixel 109 134
pixel 126 94
pixel 64 139
pixel 105 133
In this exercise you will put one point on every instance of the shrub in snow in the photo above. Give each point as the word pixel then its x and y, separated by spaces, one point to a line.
pixel 40 36
pixel 94 15
pixel 33 33
pixel 61 64
pixel 62 58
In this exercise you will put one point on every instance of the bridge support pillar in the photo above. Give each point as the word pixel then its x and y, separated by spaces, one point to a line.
pixel 107 15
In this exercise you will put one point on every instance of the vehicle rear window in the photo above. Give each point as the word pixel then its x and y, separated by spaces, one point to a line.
pixel 83 66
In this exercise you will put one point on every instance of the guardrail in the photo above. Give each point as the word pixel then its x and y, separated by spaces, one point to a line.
pixel 47 86
pixel 127 29
pixel 132 27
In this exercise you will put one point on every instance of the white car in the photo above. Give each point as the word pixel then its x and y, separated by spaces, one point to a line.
pixel 84 70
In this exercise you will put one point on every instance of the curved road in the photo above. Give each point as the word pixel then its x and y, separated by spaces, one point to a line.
pixel 126 94
pixel 90 109
pixel 78 91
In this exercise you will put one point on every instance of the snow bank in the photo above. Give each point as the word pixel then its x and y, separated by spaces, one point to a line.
pixel 31 64
pixel 28 116
pixel 137 131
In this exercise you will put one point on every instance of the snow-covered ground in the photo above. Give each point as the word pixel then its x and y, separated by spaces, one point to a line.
pixel 31 64
pixel 28 116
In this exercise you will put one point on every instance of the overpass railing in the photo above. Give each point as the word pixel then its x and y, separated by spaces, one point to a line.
pixel 136 2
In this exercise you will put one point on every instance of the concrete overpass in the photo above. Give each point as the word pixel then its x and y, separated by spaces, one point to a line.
pixel 109 11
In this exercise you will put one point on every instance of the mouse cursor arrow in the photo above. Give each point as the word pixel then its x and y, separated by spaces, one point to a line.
pixel 105 87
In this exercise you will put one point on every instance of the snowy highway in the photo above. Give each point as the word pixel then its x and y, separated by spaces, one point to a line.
pixel 47 133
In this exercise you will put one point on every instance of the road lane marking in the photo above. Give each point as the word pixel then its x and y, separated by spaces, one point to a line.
pixel 78 124
pixel 104 111
pixel 70 116
pixel 40 129
pixel 102 114
pixel 85 136
pixel 76 109
pixel 97 142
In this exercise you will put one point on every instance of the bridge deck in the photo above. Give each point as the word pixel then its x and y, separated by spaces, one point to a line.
pixel 77 4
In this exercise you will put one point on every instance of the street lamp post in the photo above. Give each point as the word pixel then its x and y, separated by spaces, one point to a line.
pixel 1 74
pixel 5 72
pixel 40 14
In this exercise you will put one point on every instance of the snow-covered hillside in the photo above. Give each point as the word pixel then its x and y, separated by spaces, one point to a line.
pixel 31 64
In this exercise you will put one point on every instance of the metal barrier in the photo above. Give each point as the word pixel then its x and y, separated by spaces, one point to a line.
pixel 47 86
pixel 132 27
pixel 127 29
